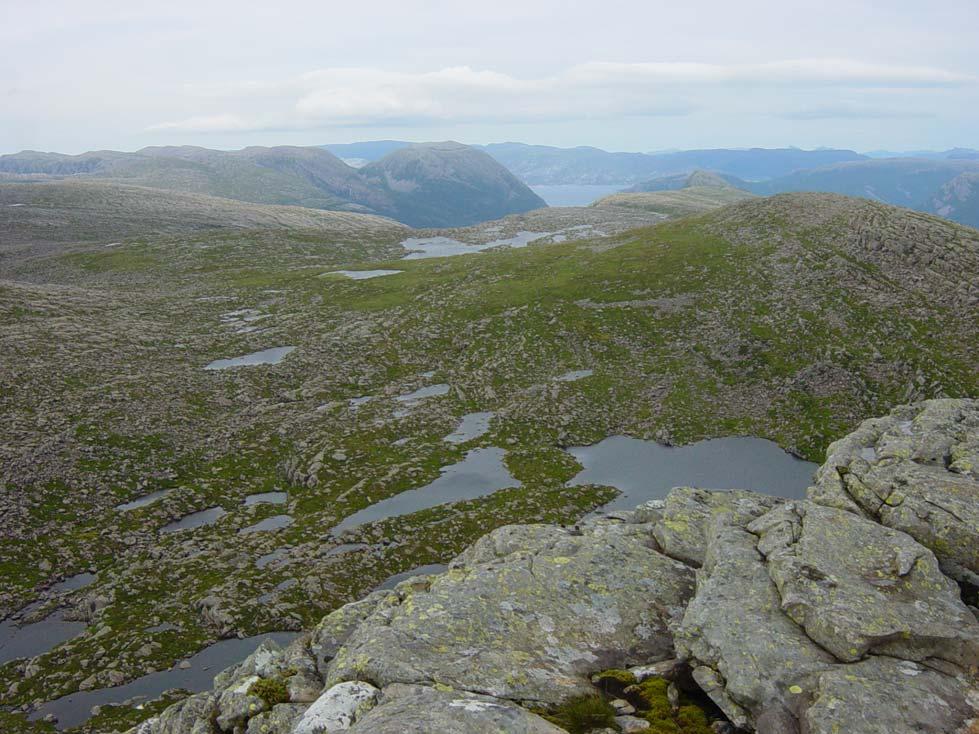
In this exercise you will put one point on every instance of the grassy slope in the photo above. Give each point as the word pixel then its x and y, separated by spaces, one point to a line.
pixel 790 318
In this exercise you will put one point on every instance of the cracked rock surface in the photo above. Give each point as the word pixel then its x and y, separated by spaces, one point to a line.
pixel 915 470
pixel 526 614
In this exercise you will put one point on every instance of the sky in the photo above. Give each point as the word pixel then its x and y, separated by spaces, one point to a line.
pixel 79 75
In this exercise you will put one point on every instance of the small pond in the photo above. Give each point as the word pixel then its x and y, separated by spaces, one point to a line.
pixel 266 356
pixel 647 470
pixel 482 472
pixel 276 522
pixel 272 498
pixel 146 499
pixel 76 708
pixel 575 376
pixel 423 392
pixel 195 520
pixel 425 247
pixel 363 274
pixel 473 425
pixel 29 640
pixel 73 582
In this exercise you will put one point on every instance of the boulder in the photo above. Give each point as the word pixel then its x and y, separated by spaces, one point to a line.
pixel 236 705
pixel 915 470
pixel 413 709
pixel 893 696
pixel 193 715
pixel 337 709
pixel 527 613
pixel 279 720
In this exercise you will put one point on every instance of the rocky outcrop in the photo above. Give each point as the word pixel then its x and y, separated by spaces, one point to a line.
pixel 915 470
pixel 815 616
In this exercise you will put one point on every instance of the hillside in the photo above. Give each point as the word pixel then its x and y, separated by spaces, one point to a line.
pixel 911 182
pixel 225 504
pixel 90 210
pixel 309 177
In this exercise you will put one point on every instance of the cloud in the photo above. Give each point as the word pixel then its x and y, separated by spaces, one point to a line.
pixel 855 112
pixel 205 124
pixel 363 97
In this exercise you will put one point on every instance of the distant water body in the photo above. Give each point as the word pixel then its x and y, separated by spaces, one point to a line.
pixel 575 194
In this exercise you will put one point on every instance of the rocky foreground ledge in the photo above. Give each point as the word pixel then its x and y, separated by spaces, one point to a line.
pixel 841 614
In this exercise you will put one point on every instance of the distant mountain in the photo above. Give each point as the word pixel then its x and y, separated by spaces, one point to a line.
pixel 954 153
pixel 688 180
pixel 917 183
pixel 453 186
pixel 431 182
pixel 541 164
pixel 959 199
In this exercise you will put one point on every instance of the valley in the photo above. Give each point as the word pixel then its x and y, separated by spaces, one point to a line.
pixel 291 475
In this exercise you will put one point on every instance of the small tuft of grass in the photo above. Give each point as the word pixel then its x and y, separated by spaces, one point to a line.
pixel 271 690
pixel 581 714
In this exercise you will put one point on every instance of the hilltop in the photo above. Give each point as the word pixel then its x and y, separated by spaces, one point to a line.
pixel 680 195
pixel 426 181
pixel 308 177
pixel 790 318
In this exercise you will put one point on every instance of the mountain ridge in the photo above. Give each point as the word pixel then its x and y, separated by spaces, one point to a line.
pixel 303 176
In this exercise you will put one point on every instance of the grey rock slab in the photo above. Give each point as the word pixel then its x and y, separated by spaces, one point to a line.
pixel 857 587
pixel 915 470
pixel 682 526
pixel 413 709
pixel 891 696
pixel 526 613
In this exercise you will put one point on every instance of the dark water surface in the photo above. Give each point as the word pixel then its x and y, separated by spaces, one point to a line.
pixel 482 472
pixel 76 708
pixel 647 470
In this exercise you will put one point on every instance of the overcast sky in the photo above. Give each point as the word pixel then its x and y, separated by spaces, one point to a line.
pixel 77 75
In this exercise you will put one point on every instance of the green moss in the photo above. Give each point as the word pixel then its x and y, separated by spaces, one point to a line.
pixel 270 690
pixel 650 698
pixel 581 714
